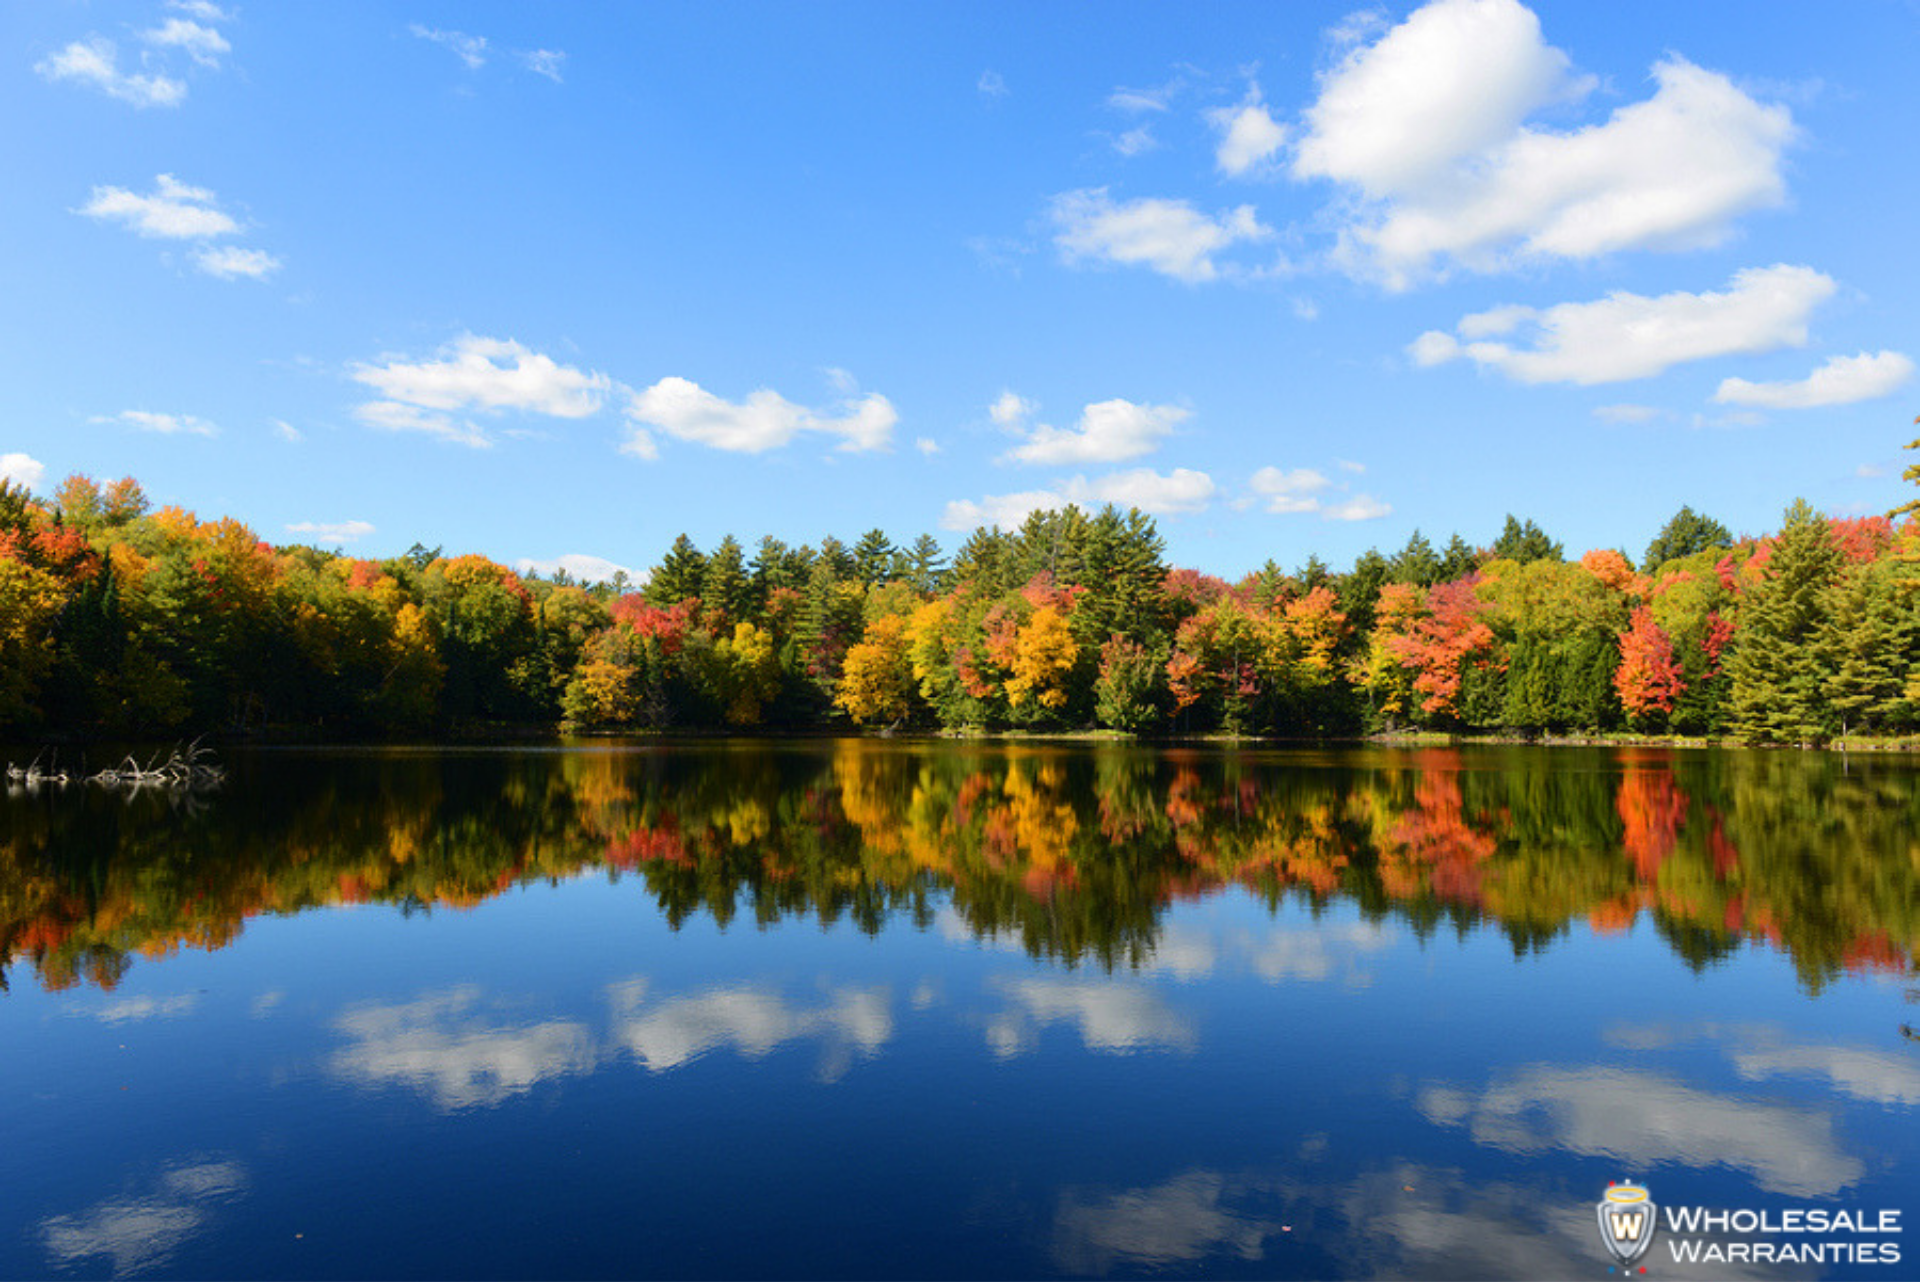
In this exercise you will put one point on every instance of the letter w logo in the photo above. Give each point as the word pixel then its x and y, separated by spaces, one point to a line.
pixel 1626 1224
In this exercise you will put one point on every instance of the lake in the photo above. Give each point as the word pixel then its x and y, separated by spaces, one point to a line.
pixel 848 1009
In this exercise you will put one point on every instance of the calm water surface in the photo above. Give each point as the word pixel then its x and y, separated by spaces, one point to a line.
pixel 891 1010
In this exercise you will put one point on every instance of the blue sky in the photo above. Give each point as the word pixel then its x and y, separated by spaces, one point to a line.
pixel 546 281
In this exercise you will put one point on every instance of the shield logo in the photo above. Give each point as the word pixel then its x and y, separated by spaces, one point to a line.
pixel 1627 1221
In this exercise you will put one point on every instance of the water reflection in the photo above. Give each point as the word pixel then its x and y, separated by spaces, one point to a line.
pixel 1068 854
pixel 1111 1017
pixel 753 1022
pixel 137 1232
pixel 1641 1120
pixel 1172 1225
pixel 441 1046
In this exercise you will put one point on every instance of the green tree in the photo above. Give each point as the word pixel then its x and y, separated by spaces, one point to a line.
pixel 1524 542
pixel 873 558
pixel 682 573
pixel 1687 533
pixel 725 586
pixel 1779 685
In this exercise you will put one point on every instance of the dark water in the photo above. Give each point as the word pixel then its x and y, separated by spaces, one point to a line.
pixel 892 1010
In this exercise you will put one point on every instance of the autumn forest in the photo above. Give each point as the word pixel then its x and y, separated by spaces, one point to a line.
pixel 116 620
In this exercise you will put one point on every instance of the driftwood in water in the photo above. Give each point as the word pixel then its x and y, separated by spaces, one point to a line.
pixel 188 768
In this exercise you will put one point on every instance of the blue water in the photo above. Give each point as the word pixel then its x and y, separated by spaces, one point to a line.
pixel 555 1082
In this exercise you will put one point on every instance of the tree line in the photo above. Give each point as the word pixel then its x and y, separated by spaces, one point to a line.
pixel 119 620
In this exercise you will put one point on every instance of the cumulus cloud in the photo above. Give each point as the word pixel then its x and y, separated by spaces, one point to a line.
pixel 230 262
pixel 476 375
pixel 991 84
pixel 163 424
pixel 1644 1120
pixel 1112 1017
pixel 174 210
pixel 205 45
pixel 441 1047
pixel 1169 1227
pixel 171 211
pixel 766 420
pixel 853 1022
pixel 471 50
pixel 1841 381
pixel 582 568
pixel 1425 126
pixel 95 63
pixel 22 469
pixel 1626 336
pixel 1179 491
pixel 1288 492
pixel 332 531
pixel 138 1233
pixel 1249 136
pixel 1167 236
pixel 1108 431
pixel 1361 507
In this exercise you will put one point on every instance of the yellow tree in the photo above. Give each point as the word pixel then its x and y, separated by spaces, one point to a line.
pixel 876 681
pixel 1044 653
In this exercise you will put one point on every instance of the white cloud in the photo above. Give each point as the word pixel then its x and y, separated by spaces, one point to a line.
pixel 1453 80
pixel 926 445
pixel 332 531
pixel 1011 410
pixel 1841 381
pixel 1112 1017
pixel 138 1234
pixel 128 1010
pixel 1426 127
pixel 1142 100
pixel 1108 431
pixel 1249 135
pixel 1627 336
pixel 992 84
pixel 764 421
pixel 544 62
pixel 1361 507
pixel 1167 236
pixel 471 50
pixel 392 416
pixel 1866 471
pixel 751 1022
pixel 1288 492
pixel 1169 1228
pixel 203 44
pixel 205 10
pixel 172 211
pixel 22 469
pixel 581 567
pixel 1641 1120
pixel 230 262
pixel 1626 413
pixel 1348 465
pixel 1136 141
pixel 164 424
pixel 1179 491
pixel 95 62
pixel 439 1047
pixel 476 375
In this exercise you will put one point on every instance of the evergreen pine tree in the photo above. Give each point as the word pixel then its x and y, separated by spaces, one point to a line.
pixel 681 574
pixel 1778 684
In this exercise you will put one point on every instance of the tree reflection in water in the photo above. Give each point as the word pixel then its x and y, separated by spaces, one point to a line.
pixel 1073 852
